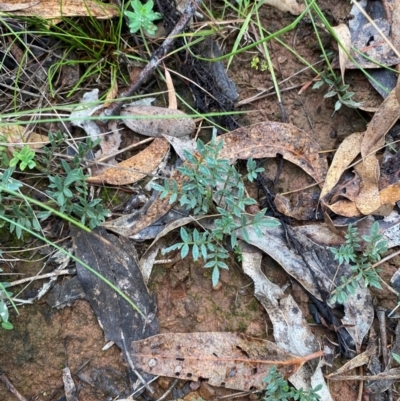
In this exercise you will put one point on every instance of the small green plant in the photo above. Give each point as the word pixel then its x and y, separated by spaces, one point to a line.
pixel 24 157
pixel 69 191
pixel 208 179
pixel 4 313
pixel 76 204
pixel 361 261
pixel 278 389
pixel 142 17
pixel 238 253
pixel 337 88
pixel 255 64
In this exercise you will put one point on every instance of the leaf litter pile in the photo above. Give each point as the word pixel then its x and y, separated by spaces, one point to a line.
pixel 326 210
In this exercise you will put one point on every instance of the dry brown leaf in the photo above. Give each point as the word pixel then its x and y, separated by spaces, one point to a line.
pixel 150 126
pixel 368 200
pixel 50 9
pixel 386 116
pixel 37 141
pixel 268 139
pixel 16 134
pixel 18 5
pixel 390 194
pixel 300 205
pixel 346 153
pixel 141 165
pixel 343 33
pixel 226 359
pixel 345 208
pixel 349 189
pixel 172 102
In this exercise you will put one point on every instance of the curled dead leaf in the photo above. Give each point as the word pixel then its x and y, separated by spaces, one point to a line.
pixel 346 153
pixel 384 119
pixel 343 33
pixel 368 199
pixel 157 121
pixel 268 139
pixel 135 168
pixel 345 208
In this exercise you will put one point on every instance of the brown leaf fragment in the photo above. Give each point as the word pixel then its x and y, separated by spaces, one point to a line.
pixel 346 153
pixel 128 226
pixel 384 119
pixel 37 141
pixel 345 208
pixel 172 101
pixel 343 33
pixel 135 168
pixel 268 139
pixel 368 199
pixel 50 9
pixel 390 194
pixel 300 206
pixel 227 359
pixel 177 125
pixel 20 5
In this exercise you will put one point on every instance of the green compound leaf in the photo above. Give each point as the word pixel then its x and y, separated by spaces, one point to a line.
pixel 142 17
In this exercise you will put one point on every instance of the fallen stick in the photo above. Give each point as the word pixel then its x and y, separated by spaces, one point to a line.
pixel 11 387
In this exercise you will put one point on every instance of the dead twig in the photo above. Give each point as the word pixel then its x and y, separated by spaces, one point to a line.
pixel 42 276
pixel 10 386
pixel 392 374
pixel 132 366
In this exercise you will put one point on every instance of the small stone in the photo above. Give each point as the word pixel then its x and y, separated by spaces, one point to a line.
pixel 200 318
pixel 194 385
pixel 206 391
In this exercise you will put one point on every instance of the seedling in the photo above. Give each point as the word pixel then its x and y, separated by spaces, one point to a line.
pixel 336 88
pixel 278 389
pixel 142 17
pixel 361 261
pixel 24 157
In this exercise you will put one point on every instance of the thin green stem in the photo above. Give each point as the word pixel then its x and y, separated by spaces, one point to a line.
pixel 44 206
